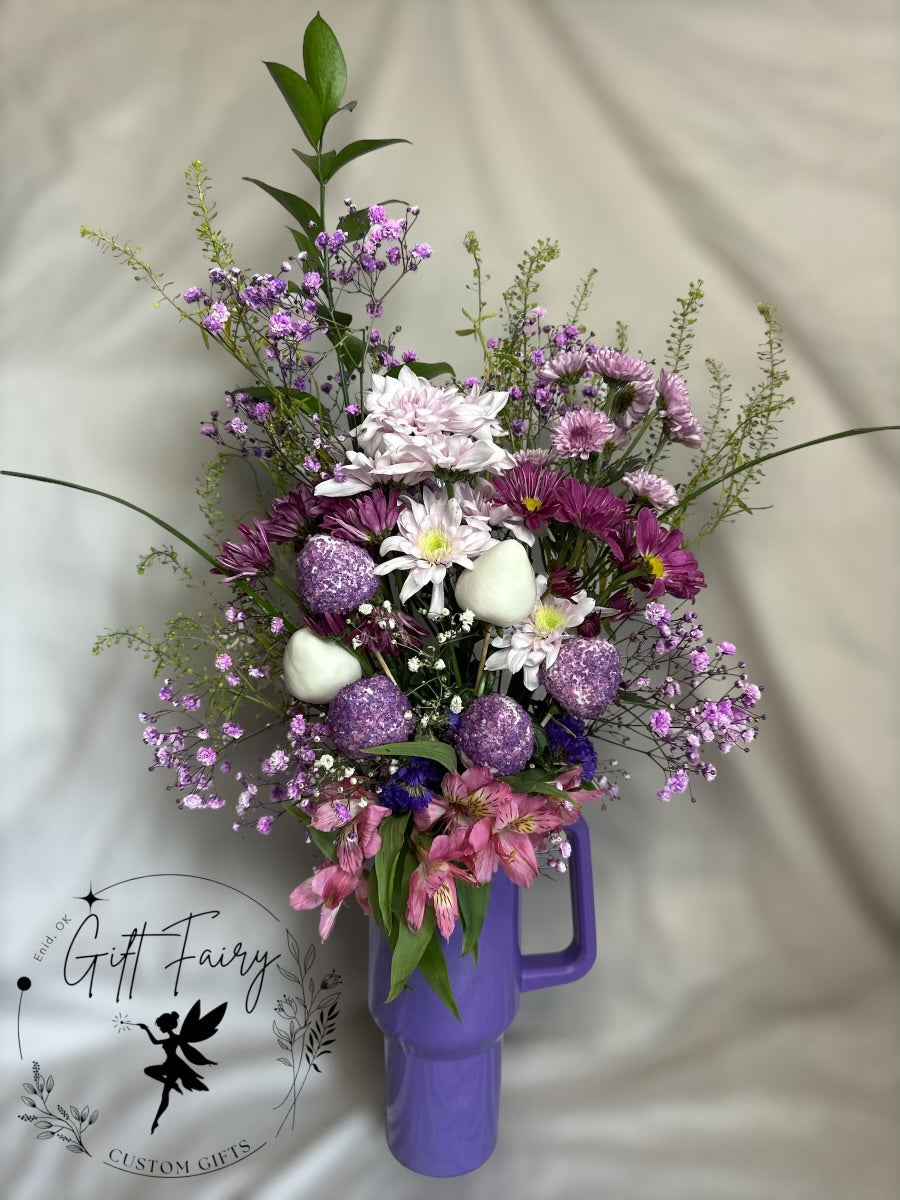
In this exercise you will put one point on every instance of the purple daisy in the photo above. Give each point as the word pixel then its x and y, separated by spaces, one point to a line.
pixel 368 518
pixel 247 559
pixel 531 492
pixel 581 433
pixel 681 424
pixel 567 367
pixel 290 516
pixel 591 507
pixel 651 487
pixel 631 388
pixel 563 581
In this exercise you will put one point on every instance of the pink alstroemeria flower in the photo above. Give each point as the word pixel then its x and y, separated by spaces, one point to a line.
pixel 507 839
pixel 464 799
pixel 434 880
pixel 351 810
pixel 329 886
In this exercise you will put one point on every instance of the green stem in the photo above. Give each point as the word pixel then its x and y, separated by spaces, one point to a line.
pixel 80 487
pixel 830 437
pixel 261 600
pixel 342 374
pixel 484 651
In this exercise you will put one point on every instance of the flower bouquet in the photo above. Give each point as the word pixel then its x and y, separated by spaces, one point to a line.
pixel 460 596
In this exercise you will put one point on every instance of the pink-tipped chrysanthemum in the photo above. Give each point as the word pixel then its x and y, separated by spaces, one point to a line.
pixel 681 424
pixel 654 488
pixel 581 433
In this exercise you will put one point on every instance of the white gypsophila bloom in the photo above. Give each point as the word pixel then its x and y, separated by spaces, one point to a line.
pixel 536 640
pixel 433 536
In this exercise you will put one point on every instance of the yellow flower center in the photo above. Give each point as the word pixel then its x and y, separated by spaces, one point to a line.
pixel 434 544
pixel 531 503
pixel 547 619
pixel 655 564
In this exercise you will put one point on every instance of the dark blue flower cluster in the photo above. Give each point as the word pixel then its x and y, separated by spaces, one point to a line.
pixel 566 735
pixel 411 788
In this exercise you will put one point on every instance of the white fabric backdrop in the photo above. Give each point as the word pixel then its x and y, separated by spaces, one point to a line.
pixel 738 1038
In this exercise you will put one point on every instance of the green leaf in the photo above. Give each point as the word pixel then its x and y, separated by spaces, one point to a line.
pixel 302 400
pixel 306 242
pixel 540 739
pixel 408 951
pixel 465 332
pixel 357 149
pixel 321 165
pixel 301 210
pixel 350 349
pixel 393 839
pixel 438 752
pixel 533 782
pixel 301 100
pixel 80 487
pixel 323 62
pixel 473 903
pixel 378 913
pixel 433 969
pixel 355 224
pixel 324 842
pixel 425 370
pixel 400 894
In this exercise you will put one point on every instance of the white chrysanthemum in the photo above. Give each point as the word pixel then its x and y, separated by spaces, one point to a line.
pixel 537 639
pixel 433 536
pixel 418 411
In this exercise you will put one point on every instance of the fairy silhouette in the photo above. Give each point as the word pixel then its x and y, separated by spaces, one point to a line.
pixel 175 1074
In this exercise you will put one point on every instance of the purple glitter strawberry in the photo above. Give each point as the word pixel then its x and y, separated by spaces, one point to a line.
pixel 585 676
pixel 334 576
pixel 496 732
pixel 370 712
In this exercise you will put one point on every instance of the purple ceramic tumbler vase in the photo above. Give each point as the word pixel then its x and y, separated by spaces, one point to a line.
pixel 443 1074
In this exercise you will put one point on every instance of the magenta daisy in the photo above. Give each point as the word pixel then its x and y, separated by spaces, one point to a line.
pixel 671 569
pixel 530 491
pixel 290 516
pixel 581 433
pixel 591 507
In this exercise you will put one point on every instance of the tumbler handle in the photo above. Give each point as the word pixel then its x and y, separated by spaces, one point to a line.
pixel 565 966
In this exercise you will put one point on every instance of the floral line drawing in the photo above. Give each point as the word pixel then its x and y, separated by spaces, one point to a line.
pixel 311 1016
pixel 67 1126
